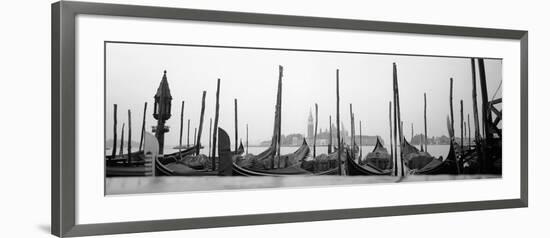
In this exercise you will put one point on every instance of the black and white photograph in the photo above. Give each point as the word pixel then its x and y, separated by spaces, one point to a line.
pixel 183 118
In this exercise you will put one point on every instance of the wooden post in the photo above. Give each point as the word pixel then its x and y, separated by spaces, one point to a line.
pixel 143 127
pixel 181 127
pixel 216 118
pixel 113 153
pixel 329 149
pixel 122 142
pixel 188 130
pixel 236 128
pixel 315 134
pixel 280 115
pixel 352 139
pixel 247 138
pixel 395 128
pixel 339 156
pixel 398 118
pixel 462 128
pixel 412 132
pixel 469 133
pixel 360 142
pixel 474 100
pixel 210 140
pixel 129 160
pixel 425 126
pixel 201 122
pixel 391 137
pixel 487 117
pixel 451 108
pixel 452 125
pixel 195 138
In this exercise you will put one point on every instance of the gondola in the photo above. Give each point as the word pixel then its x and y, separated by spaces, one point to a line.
pixel 265 161
pixel 175 165
pixel 414 158
pixel 354 169
pixel 240 150
pixel 379 157
pixel 437 166
pixel 139 165
pixel 237 170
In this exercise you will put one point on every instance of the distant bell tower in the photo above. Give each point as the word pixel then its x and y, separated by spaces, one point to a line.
pixel 161 112
pixel 310 125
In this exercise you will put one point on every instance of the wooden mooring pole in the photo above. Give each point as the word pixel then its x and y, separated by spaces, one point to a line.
pixel 425 126
pixel 188 131
pixel 113 153
pixel 216 119
pixel 391 137
pixel 129 159
pixel 338 122
pixel 462 128
pixel 122 141
pixel 142 127
pixel 201 122
pixel 236 128
pixel 329 149
pixel 315 133
pixel 181 127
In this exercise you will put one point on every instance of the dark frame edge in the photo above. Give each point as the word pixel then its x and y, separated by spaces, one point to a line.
pixel 63 217
pixel 55 123
pixel 279 218
pixel 524 104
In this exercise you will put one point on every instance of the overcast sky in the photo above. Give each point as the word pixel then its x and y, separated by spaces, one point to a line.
pixel 134 71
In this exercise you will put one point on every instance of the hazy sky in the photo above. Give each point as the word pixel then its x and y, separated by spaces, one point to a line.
pixel 134 71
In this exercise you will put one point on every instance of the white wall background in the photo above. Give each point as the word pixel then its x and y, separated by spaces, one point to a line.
pixel 25 118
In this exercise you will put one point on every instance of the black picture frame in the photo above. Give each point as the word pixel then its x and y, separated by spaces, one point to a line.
pixel 63 132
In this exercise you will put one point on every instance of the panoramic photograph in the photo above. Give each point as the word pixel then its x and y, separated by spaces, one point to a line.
pixel 184 118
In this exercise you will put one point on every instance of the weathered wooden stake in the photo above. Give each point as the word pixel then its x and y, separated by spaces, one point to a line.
pixel 143 127
pixel 201 122
pixel 395 129
pixel 487 117
pixel 188 131
pixel 352 136
pixel 315 134
pixel 113 153
pixel 451 108
pixel 129 159
pixel 412 131
pixel 181 127
pixel 122 142
pixel 452 125
pixel 195 137
pixel 280 115
pixel 216 118
pixel 247 138
pixel 462 128
pixel 329 150
pixel 236 128
pixel 425 126
pixel 360 142
pixel 210 139
pixel 469 133
pixel 338 122
pixel 474 101
pixel 398 118
pixel 391 137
